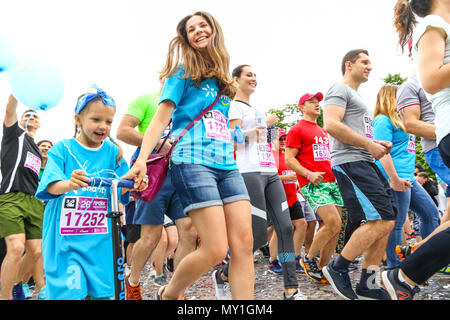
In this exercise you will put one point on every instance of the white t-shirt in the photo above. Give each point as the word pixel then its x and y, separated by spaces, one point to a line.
pixel 250 157
pixel 440 100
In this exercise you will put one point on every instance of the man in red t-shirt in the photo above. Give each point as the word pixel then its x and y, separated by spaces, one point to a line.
pixel 289 180
pixel 308 154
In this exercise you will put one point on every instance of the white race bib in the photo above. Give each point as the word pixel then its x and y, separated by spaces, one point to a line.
pixel 321 152
pixel 286 173
pixel 83 215
pixel 265 155
pixel 411 143
pixel 368 128
pixel 216 125
pixel 33 162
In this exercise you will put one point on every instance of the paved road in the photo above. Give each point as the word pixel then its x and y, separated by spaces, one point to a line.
pixel 270 287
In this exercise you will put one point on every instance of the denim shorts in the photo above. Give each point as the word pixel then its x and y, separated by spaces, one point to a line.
pixel 199 186
pixel 166 202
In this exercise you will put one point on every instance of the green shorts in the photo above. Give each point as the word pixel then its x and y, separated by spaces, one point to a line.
pixel 321 195
pixel 21 213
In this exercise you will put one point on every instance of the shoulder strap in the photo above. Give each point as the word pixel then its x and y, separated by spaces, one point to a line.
pixel 193 122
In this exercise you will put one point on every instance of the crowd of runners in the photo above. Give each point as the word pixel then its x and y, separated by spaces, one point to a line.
pixel 314 198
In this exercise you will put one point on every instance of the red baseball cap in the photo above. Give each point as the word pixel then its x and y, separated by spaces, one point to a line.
pixel 308 96
pixel 281 132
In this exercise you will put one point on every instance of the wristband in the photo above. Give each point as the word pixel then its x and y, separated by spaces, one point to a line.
pixel 309 175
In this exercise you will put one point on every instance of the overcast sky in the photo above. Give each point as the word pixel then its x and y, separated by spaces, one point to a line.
pixel 294 46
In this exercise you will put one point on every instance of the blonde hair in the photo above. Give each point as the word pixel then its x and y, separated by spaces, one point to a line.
pixel 386 104
pixel 78 129
pixel 196 67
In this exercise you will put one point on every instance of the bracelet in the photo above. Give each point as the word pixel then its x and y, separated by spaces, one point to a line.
pixel 309 175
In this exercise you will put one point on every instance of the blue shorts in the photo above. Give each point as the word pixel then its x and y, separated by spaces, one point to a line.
pixel 365 191
pixel 166 202
pixel 200 186
pixel 436 163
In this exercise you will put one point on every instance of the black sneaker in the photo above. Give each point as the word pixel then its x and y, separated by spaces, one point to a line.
pixel 310 267
pixel 397 289
pixel 340 281
pixel 371 294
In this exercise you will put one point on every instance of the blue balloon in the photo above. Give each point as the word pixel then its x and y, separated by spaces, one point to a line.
pixel 7 53
pixel 36 84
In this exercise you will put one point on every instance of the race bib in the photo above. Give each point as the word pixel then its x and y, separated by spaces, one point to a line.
pixel 411 143
pixel 368 128
pixel 83 215
pixel 288 172
pixel 216 125
pixel 33 162
pixel 265 155
pixel 321 152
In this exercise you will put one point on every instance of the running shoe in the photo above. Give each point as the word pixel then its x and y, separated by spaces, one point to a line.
pixel 169 264
pixel 298 295
pixel 397 289
pixel 298 266
pixel 324 280
pixel 132 292
pixel 222 286
pixel 371 294
pixel 445 271
pixel 27 291
pixel 42 294
pixel 265 250
pixel 310 267
pixel 17 292
pixel 340 281
pixel 159 293
pixel 403 251
pixel 275 267
pixel 161 280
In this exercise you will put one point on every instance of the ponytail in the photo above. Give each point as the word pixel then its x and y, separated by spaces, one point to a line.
pixel 405 20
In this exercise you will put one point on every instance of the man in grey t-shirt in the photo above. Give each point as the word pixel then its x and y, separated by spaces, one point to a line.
pixel 365 191
pixel 418 116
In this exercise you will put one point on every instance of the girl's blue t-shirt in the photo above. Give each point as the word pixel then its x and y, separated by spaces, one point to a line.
pixel 76 236
pixel 403 151
pixel 208 142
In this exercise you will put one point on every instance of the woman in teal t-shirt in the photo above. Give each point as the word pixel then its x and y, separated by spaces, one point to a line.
pixel 203 170
pixel 398 168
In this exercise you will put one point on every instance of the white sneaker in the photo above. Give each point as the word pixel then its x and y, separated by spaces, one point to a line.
pixel 298 295
pixel 222 287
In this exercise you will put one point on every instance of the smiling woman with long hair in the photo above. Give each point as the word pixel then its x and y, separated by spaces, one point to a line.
pixel 203 170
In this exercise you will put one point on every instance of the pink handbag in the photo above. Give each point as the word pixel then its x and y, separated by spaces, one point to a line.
pixel 158 163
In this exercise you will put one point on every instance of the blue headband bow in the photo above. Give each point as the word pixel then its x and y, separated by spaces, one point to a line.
pixel 92 93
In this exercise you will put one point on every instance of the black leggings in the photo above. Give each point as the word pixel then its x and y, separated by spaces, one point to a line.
pixel 429 258
pixel 267 195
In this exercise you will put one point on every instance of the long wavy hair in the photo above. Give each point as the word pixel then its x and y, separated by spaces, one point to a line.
pixel 196 66
pixel 405 12
pixel 386 104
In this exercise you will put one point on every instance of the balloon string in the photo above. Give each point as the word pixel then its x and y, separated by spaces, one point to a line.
pixel 26 123
pixel 97 174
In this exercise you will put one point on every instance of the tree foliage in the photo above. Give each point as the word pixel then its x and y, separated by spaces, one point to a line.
pixel 394 79
pixel 290 114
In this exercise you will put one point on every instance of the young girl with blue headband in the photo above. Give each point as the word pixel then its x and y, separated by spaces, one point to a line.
pixel 77 240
